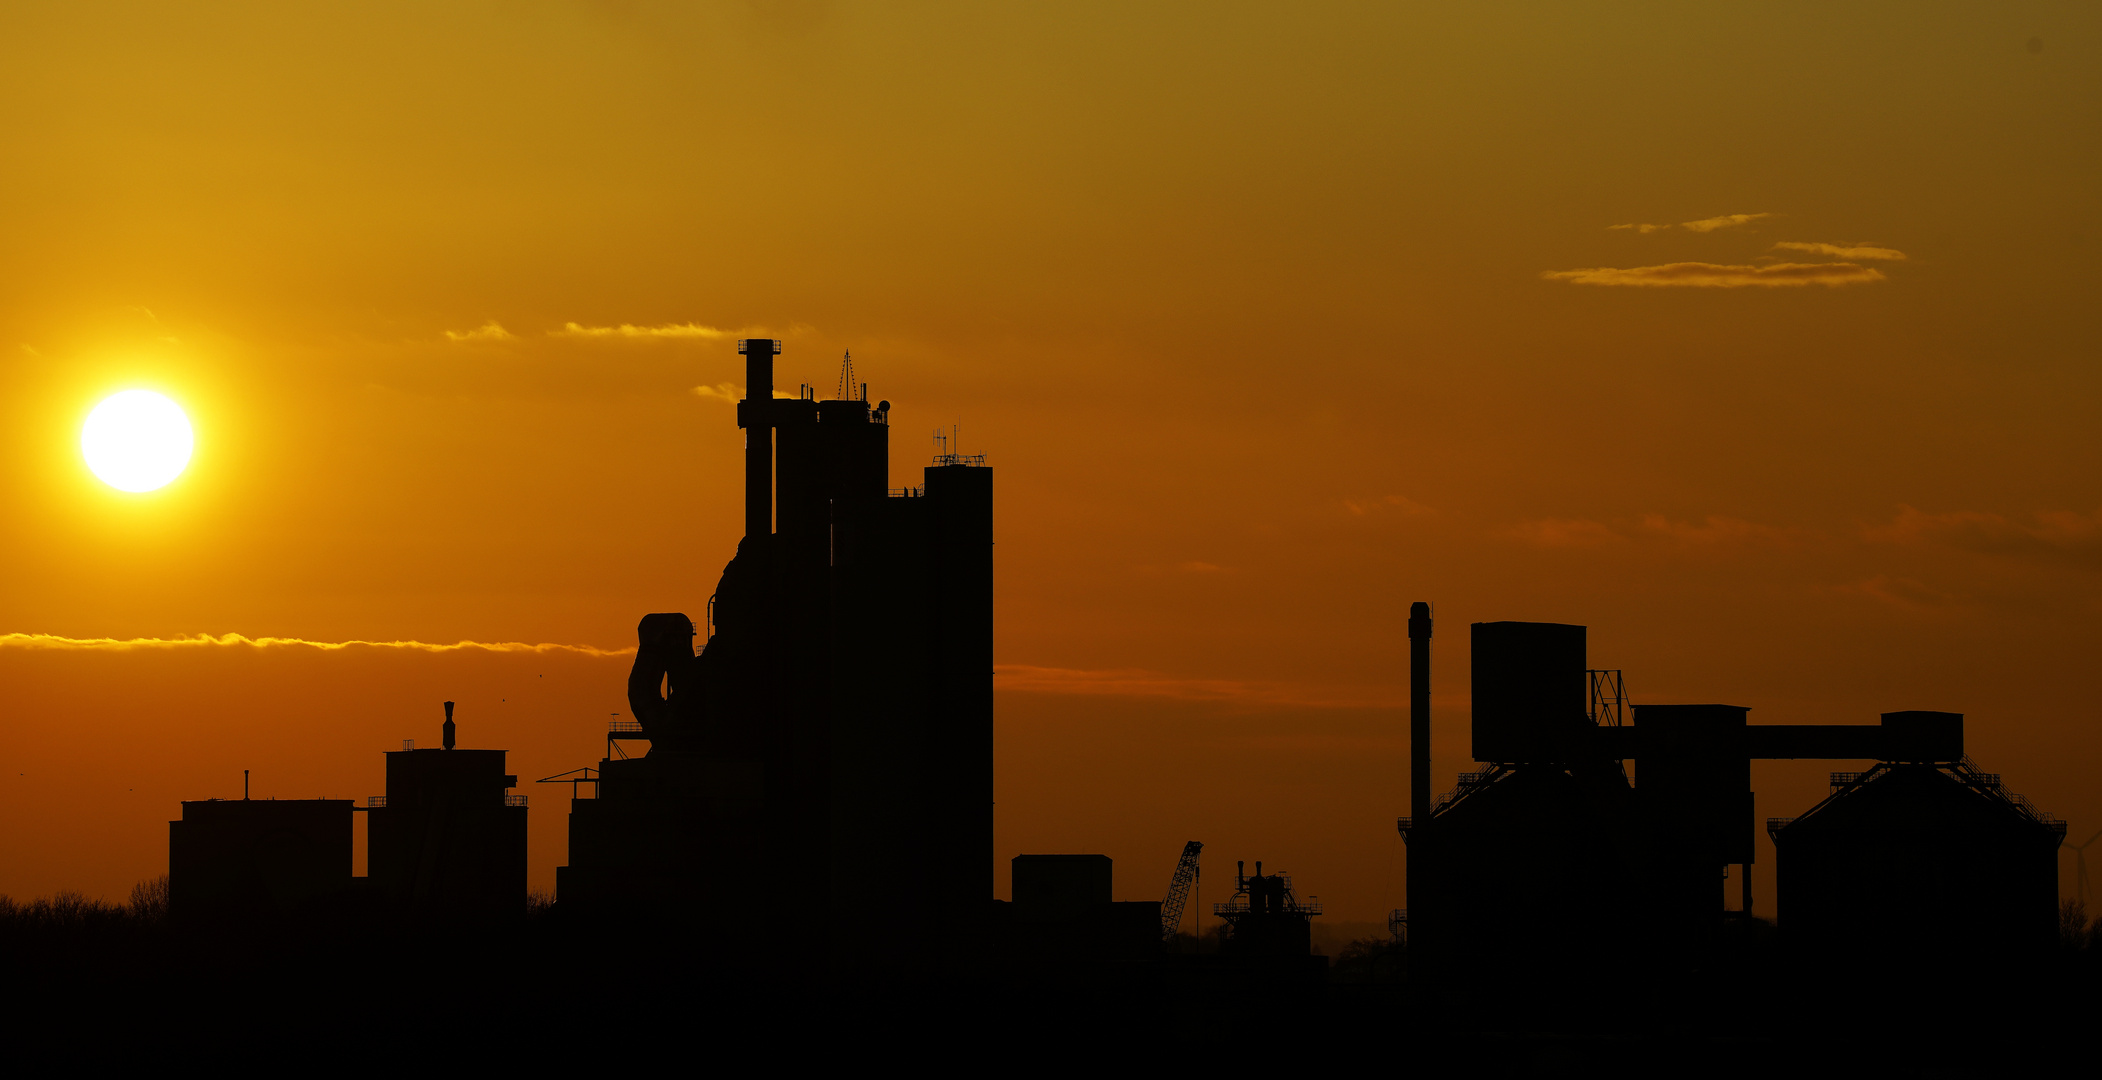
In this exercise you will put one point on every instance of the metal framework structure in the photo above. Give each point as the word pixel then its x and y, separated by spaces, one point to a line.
pixel 574 778
pixel 1470 782
pixel 1609 704
pixel 1609 698
pixel 1179 890
pixel 1964 770
pixel 1239 907
pixel 618 730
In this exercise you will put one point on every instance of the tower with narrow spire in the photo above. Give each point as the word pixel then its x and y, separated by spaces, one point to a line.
pixel 835 728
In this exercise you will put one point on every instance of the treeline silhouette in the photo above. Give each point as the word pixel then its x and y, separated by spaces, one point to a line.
pixel 111 981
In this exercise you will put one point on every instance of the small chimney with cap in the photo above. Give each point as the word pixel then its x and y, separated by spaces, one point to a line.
pixel 448 725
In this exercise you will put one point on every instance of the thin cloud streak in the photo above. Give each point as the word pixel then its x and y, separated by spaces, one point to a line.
pixel 2053 536
pixel 1564 533
pixel 488 331
pixel 1908 594
pixel 1400 504
pixel 1723 221
pixel 1871 252
pixel 196 641
pixel 731 393
pixel 1704 225
pixel 1712 533
pixel 628 331
pixel 1701 275
pixel 1718 531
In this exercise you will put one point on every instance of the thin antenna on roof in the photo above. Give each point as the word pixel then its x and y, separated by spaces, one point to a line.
pixel 846 376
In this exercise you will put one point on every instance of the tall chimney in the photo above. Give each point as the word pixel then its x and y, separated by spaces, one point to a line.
pixel 1420 713
pixel 448 725
pixel 755 414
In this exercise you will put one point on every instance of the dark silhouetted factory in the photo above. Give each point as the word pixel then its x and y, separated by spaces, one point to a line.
pixel 448 838
pixel 826 729
pixel 835 728
pixel 1553 835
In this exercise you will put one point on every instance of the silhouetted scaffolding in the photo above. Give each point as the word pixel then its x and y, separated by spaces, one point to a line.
pixel 1264 917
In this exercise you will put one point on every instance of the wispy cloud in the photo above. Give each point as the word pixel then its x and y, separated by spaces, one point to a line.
pixel 488 331
pixel 1907 593
pixel 2052 535
pixel 1704 225
pixel 628 331
pixel 220 641
pixel 1724 221
pixel 731 392
pixel 1395 504
pixel 1701 275
pixel 1870 252
pixel 1716 531
pixel 1564 533
pixel 1140 683
pixel 1711 533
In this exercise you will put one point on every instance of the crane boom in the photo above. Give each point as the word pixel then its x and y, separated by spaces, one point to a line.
pixel 1179 891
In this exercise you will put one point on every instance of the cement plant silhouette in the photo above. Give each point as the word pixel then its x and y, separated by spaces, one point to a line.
pixel 791 837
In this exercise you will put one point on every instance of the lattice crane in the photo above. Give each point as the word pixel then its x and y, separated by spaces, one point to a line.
pixel 1179 891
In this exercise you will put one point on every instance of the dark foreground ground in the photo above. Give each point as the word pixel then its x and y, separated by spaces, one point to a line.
pixel 94 986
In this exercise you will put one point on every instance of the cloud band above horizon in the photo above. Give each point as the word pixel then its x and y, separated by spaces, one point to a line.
pixel 1701 275
pixel 55 641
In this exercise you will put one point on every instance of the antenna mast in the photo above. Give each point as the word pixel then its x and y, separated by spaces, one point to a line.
pixel 846 376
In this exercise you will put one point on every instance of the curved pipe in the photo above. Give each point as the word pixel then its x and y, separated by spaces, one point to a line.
pixel 663 648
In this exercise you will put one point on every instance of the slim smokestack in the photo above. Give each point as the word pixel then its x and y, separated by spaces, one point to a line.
pixel 244 785
pixel 1420 712
pixel 756 415
pixel 448 725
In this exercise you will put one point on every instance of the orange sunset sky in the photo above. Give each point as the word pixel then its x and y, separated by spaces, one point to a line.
pixel 1760 338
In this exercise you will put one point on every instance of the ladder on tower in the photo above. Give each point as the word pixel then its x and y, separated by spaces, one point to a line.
pixel 1179 891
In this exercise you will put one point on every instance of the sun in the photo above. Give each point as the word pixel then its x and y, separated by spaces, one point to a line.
pixel 136 440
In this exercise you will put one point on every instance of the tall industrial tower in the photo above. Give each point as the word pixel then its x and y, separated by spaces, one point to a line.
pixel 830 745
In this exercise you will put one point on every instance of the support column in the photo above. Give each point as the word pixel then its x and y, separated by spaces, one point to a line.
pixel 755 415
pixel 1420 713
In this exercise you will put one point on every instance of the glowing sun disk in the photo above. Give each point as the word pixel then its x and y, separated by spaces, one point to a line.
pixel 136 440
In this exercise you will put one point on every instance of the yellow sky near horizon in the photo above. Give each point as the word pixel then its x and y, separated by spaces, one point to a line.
pixel 1756 337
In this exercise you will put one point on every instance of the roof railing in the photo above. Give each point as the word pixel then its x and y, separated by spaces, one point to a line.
pixel 1470 782
pixel 1240 907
